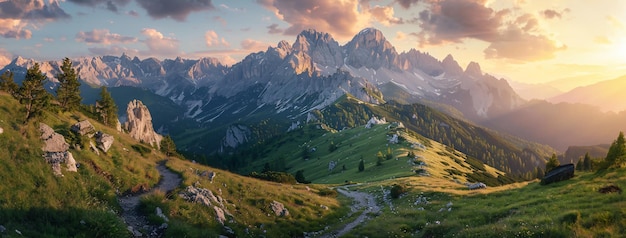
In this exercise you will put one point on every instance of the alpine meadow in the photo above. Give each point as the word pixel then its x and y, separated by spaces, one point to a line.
pixel 318 118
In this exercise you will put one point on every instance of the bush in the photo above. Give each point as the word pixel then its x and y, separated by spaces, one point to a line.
pixel 326 192
pixel 279 177
pixel 397 190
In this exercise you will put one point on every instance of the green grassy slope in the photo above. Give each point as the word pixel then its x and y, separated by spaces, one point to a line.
pixel 571 208
pixel 84 204
pixel 308 149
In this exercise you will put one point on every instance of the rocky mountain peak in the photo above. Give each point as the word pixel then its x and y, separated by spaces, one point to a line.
pixel 371 49
pixel 321 48
pixel 450 66
pixel 473 69
pixel 139 124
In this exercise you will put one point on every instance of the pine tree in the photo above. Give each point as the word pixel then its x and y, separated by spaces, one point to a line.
pixel 617 151
pixel 587 164
pixel 106 108
pixel 33 94
pixel 168 147
pixel 579 165
pixel 68 92
pixel 552 163
pixel 300 177
pixel 7 83
pixel 361 166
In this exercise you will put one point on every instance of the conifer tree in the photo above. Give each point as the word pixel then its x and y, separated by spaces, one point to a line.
pixel 552 163
pixel 106 108
pixel 7 83
pixel 361 165
pixel 617 151
pixel 168 147
pixel 587 164
pixel 579 165
pixel 68 92
pixel 32 93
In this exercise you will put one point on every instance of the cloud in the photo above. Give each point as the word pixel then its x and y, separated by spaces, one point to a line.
pixel 232 9
pixel 384 15
pixel 453 20
pixel 406 4
pixel 212 39
pixel 177 10
pixel 517 45
pixel 32 10
pixel 251 45
pixel 112 50
pixel 15 15
pixel 11 28
pixel 103 36
pixel 510 35
pixel 342 18
pixel 111 5
pixel 551 14
pixel 158 44
pixel 274 29
pixel 133 13
pixel 5 58
pixel 400 35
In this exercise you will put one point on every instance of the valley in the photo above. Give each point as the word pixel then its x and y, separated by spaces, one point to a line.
pixel 313 138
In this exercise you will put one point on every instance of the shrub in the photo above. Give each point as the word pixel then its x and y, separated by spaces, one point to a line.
pixel 397 190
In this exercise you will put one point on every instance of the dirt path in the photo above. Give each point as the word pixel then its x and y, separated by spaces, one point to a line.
pixel 138 223
pixel 361 201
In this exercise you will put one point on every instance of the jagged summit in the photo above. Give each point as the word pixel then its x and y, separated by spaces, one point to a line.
pixel 473 69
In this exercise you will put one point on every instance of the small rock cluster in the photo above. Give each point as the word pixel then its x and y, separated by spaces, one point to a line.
pixel 279 209
pixel 56 150
pixel 207 198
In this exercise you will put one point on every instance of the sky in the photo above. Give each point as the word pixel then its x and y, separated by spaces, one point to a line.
pixel 527 41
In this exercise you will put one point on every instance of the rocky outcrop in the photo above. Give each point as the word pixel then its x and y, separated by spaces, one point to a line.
pixel 139 124
pixel 235 136
pixel 104 141
pixel 1 130
pixel 279 209
pixel 375 121
pixel 83 128
pixel 56 150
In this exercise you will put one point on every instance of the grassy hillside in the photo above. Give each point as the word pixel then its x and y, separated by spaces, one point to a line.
pixel 248 200
pixel 572 208
pixel 512 155
pixel 84 204
pixel 314 148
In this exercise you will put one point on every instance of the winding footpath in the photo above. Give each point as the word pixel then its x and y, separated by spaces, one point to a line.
pixel 133 218
pixel 361 201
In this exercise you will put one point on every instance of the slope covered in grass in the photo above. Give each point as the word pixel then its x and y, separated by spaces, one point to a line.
pixel 84 204
pixel 328 156
pixel 435 208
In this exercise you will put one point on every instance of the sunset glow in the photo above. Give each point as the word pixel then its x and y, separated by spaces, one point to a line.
pixel 525 41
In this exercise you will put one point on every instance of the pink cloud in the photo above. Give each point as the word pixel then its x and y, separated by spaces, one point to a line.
pixel 158 44
pixel 253 45
pixel 103 36
pixel 212 39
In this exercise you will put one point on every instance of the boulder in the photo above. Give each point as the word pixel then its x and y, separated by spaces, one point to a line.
pixel 560 173
pixel 279 209
pixel 104 141
pixel 200 195
pixel 139 124
pixel 1 130
pixel 83 128
pixel 53 142
pixel 70 162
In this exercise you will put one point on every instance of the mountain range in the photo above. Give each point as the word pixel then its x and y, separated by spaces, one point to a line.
pixel 214 107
